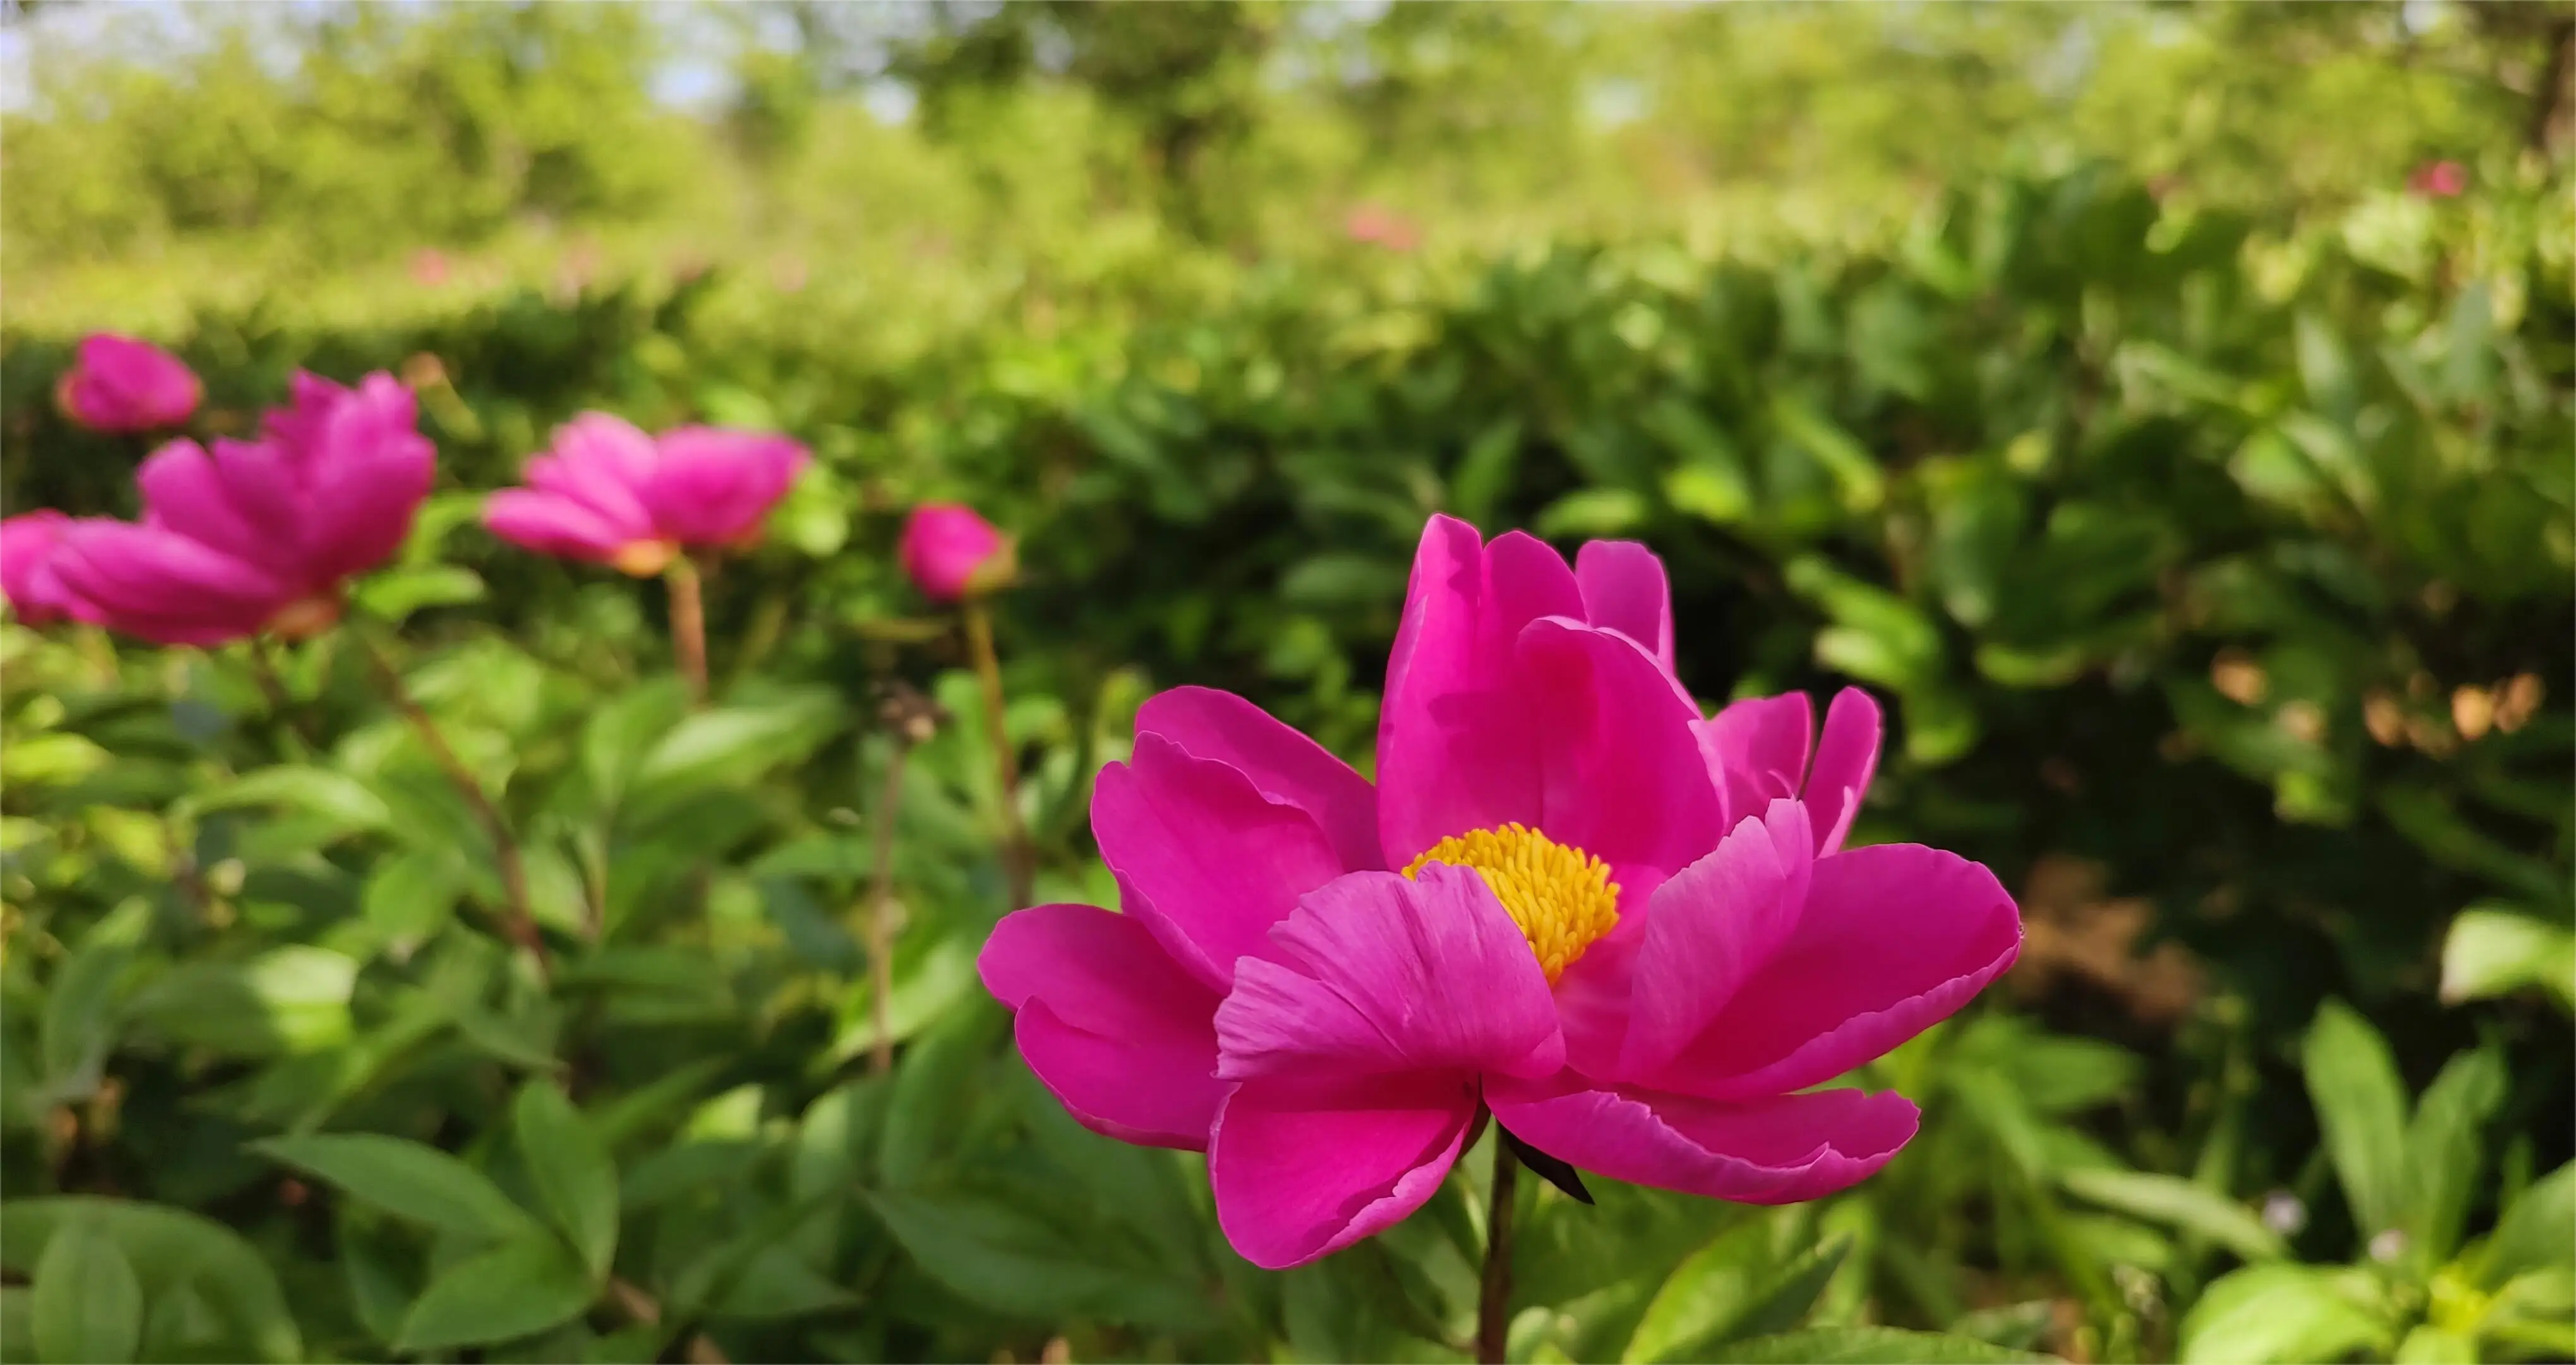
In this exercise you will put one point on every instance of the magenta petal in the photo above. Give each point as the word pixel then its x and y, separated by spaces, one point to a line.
pixel 27 579
pixel 1772 1151
pixel 1711 929
pixel 363 503
pixel 713 486
pixel 602 462
pixel 163 587
pixel 1894 938
pixel 240 500
pixel 1285 765
pixel 550 524
pixel 1624 590
pixel 1758 749
pixel 1451 756
pixel 1624 777
pixel 1845 761
pixel 1379 973
pixel 1303 1170
pixel 1525 579
pixel 1208 862
pixel 1120 1033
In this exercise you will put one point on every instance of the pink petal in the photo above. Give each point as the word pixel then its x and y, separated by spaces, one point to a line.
pixel 1894 938
pixel 1757 748
pixel 601 462
pixel 713 486
pixel 1285 765
pixel 550 524
pixel 121 384
pixel 243 499
pixel 1774 1151
pixel 944 545
pixel 1623 775
pixel 1206 861
pixel 1845 761
pixel 1300 1171
pixel 27 579
pixel 1452 755
pixel 164 587
pixel 364 495
pixel 1624 590
pixel 1109 1022
pixel 1376 973
pixel 1712 927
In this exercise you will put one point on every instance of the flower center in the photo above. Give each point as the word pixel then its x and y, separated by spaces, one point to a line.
pixel 304 618
pixel 1560 896
pixel 643 558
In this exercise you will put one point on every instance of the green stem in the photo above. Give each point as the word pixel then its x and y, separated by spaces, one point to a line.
pixel 1018 862
pixel 688 624
pixel 517 921
pixel 881 912
pixel 1494 1294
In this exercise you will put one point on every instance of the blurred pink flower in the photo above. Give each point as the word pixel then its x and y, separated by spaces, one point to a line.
pixel 1381 226
pixel 257 536
pixel 429 266
pixel 2439 180
pixel 608 494
pixel 950 551
pixel 121 384
pixel 27 579
pixel 1563 905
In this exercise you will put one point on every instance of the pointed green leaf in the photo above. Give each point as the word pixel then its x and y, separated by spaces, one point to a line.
pixel 2361 1106
pixel 2537 1231
pixel 1865 1346
pixel 572 1172
pixel 88 1307
pixel 2181 1205
pixel 407 1179
pixel 2281 1312
pixel 2444 1148
pixel 516 1289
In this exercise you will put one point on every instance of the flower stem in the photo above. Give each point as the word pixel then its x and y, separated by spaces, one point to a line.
pixel 1494 1295
pixel 688 624
pixel 517 922
pixel 881 910
pixel 1017 860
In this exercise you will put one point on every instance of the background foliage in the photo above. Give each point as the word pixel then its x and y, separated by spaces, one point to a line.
pixel 2090 384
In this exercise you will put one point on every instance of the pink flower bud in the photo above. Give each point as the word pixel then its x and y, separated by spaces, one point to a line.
pixel 120 384
pixel 949 551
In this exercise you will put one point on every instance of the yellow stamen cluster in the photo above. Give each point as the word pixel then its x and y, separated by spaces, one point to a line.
pixel 1560 896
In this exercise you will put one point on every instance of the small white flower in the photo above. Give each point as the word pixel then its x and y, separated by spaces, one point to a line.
pixel 2283 1213
pixel 2388 1246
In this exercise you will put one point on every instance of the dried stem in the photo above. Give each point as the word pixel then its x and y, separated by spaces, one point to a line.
pixel 517 922
pixel 688 624
pixel 1018 859
pixel 1494 1294
pixel 881 910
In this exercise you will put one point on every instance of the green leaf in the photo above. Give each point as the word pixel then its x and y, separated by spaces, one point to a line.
pixel 2494 950
pixel 516 1289
pixel 2361 1106
pixel 17 1330
pixel 1864 1346
pixel 572 1172
pixel 1784 1298
pixel 1592 512
pixel 394 594
pixel 287 1000
pixel 407 1179
pixel 2430 1345
pixel 2181 1205
pixel 87 1307
pixel 1735 1286
pixel 333 796
pixel 734 745
pixel 2280 1312
pixel 172 1251
pixel 81 1017
pixel 2015 1326
pixel 2537 1231
pixel 1000 1256
pixel 2444 1146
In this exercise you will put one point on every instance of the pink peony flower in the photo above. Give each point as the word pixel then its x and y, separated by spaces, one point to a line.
pixel 609 494
pixel 121 384
pixel 258 535
pixel 1376 225
pixel 2439 180
pixel 1569 902
pixel 949 551
pixel 27 579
